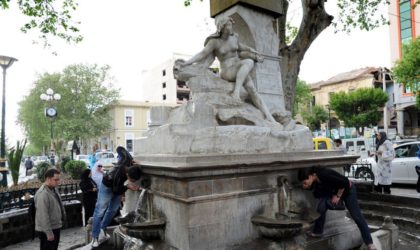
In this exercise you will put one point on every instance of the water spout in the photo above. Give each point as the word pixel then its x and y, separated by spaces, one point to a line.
pixel 284 196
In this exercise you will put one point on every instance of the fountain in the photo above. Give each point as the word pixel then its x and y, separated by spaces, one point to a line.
pixel 222 170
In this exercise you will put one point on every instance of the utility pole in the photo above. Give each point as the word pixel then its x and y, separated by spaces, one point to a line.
pixel 386 104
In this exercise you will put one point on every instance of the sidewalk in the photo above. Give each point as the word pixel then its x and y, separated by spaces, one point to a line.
pixel 70 238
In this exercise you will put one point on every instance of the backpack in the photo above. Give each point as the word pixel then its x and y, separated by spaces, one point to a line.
pixel 115 179
pixel 32 212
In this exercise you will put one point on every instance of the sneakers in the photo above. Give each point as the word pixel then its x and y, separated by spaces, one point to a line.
pixel 95 242
pixel 103 236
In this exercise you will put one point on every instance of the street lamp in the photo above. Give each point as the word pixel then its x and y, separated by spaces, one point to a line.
pixel 329 119
pixel 5 62
pixel 51 112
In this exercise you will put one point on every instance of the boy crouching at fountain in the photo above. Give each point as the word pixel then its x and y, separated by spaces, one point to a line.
pixel 330 188
pixel 110 192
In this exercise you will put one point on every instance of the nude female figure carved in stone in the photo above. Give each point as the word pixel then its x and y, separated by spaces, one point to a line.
pixel 225 46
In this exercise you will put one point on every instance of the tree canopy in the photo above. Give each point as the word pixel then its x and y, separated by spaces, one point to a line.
pixel 85 91
pixel 407 70
pixel 50 18
pixel 303 97
pixel 360 108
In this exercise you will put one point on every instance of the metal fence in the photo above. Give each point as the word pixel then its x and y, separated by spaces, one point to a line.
pixel 22 198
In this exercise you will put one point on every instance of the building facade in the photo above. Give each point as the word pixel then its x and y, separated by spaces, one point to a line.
pixel 368 77
pixel 129 120
pixel 404 27
pixel 159 84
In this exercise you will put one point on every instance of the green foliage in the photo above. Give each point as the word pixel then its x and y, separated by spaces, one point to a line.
pixel 64 162
pixel 75 168
pixel 407 70
pixel 85 92
pixel 360 108
pixel 315 117
pixel 14 160
pixel 363 14
pixel 41 168
pixel 302 98
pixel 50 18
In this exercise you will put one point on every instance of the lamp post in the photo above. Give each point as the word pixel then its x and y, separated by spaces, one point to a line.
pixel 329 120
pixel 5 62
pixel 50 111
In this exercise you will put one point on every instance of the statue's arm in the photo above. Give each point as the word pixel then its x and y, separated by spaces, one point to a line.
pixel 248 52
pixel 208 49
pixel 243 47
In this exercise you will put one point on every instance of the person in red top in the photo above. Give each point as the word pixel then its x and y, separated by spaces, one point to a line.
pixel 330 186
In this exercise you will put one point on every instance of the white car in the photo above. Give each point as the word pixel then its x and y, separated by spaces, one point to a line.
pixel 106 159
pixel 403 167
pixel 84 158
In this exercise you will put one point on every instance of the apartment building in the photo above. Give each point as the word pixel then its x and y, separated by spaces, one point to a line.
pixel 159 84
pixel 129 120
pixel 368 77
pixel 404 27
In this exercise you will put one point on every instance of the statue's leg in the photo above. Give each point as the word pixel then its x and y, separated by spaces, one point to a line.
pixel 257 100
pixel 244 68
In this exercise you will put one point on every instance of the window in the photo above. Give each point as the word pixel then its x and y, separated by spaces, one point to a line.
pixel 129 117
pixel 129 142
pixel 405 21
pixel 313 101
pixel 322 145
pixel 164 72
pixel 164 96
pixel 164 85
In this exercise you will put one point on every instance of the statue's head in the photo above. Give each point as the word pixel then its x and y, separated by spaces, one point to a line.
pixel 221 23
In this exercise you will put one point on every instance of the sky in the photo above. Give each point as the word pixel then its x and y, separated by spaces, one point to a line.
pixel 132 36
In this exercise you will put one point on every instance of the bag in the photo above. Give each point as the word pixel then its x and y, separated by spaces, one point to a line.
pixel 115 179
pixel 339 206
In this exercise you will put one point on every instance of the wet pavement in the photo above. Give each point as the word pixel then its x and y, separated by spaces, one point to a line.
pixel 75 238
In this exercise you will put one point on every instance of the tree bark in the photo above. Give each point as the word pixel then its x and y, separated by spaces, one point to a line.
pixel 315 20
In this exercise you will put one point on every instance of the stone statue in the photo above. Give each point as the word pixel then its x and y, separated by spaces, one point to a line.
pixel 236 62
pixel 226 113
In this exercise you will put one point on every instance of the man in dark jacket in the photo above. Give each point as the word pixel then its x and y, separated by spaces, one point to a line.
pixel 330 186
pixel 50 213
pixel 110 192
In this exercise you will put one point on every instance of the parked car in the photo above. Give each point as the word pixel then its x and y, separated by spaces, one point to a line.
pixel 402 167
pixel 38 159
pixel 84 158
pixel 359 146
pixel 323 143
pixel 105 158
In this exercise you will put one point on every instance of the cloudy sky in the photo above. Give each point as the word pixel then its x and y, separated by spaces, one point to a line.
pixel 132 36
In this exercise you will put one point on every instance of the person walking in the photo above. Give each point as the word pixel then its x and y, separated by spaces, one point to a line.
pixel 89 192
pixel 110 193
pixel 331 188
pixel 50 213
pixel 340 146
pixel 29 164
pixel 385 153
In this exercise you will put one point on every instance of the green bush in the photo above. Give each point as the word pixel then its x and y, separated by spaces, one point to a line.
pixel 75 168
pixel 14 158
pixel 41 168
pixel 64 161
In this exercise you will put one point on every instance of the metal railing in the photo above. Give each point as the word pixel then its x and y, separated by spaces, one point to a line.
pixel 22 198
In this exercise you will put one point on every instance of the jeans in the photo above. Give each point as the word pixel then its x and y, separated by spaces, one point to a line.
pixel 353 207
pixel 106 208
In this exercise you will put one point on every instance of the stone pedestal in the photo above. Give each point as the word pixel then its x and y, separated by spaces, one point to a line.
pixel 208 201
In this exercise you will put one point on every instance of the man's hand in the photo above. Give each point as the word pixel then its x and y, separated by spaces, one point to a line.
pixel 335 199
pixel 133 187
pixel 50 237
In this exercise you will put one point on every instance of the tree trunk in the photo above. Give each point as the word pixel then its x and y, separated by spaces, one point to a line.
pixel 314 21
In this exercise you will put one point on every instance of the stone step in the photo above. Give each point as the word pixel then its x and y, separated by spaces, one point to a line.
pixel 392 209
pixel 386 199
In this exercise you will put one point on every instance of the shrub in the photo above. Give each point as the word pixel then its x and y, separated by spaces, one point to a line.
pixel 64 161
pixel 14 158
pixel 41 168
pixel 75 168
